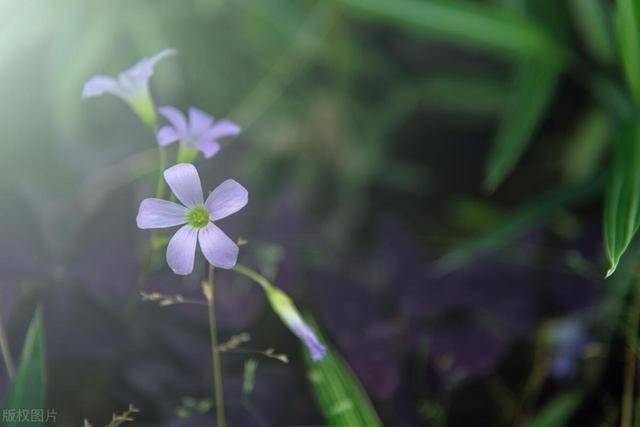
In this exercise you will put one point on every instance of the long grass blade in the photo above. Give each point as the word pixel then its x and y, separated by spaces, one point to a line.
pixel 495 29
pixel 534 87
pixel 627 21
pixel 341 398
pixel 622 196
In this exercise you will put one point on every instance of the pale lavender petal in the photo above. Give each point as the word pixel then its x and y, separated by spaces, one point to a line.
pixel 224 128
pixel 228 197
pixel 181 250
pixel 158 213
pixel 308 337
pixel 99 85
pixel 176 118
pixel 167 135
pixel 217 247
pixel 185 183
pixel 144 68
pixel 199 121
pixel 208 148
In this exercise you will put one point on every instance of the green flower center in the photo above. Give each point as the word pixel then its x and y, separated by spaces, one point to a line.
pixel 198 217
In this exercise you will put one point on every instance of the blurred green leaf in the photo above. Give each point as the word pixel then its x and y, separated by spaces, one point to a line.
pixel 586 145
pixel 466 94
pixel 557 412
pixel 486 26
pixel 27 391
pixel 593 22
pixel 341 398
pixel 533 90
pixel 622 196
pixel 627 21
pixel 525 216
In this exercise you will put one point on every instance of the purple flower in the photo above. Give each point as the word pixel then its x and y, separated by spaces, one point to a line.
pixel 200 132
pixel 132 86
pixel 197 216
pixel 289 314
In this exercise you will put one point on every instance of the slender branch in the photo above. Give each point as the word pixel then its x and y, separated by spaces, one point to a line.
pixel 209 292
pixel 630 361
pixel 6 350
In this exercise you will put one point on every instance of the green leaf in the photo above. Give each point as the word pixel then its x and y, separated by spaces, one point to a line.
pixel 341 398
pixel 530 213
pixel 557 412
pixel 465 94
pixel 593 23
pixel 28 388
pixel 586 145
pixel 627 21
pixel 622 196
pixel 485 26
pixel 533 90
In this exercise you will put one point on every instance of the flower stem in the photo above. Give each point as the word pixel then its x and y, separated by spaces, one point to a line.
pixel 130 308
pixel 6 350
pixel 209 293
pixel 630 361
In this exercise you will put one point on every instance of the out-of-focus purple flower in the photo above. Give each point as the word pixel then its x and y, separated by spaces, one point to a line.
pixel 197 216
pixel 284 307
pixel 199 132
pixel 569 341
pixel 131 85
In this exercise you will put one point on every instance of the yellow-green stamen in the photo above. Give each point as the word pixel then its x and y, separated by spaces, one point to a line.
pixel 198 216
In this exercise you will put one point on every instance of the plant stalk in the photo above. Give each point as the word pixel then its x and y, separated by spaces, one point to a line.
pixel 6 350
pixel 130 308
pixel 630 361
pixel 209 292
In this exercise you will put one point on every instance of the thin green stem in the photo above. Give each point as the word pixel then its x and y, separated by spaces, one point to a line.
pixel 209 292
pixel 630 361
pixel 130 308
pixel 259 279
pixel 6 350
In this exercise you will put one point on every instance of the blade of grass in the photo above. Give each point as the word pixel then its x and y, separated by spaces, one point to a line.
pixel 495 29
pixel 593 23
pixel 586 145
pixel 627 22
pixel 27 391
pixel 530 213
pixel 533 90
pixel 622 196
pixel 339 394
pixel 557 412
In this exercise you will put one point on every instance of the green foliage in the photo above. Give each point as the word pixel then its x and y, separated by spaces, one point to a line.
pixel 494 29
pixel 340 396
pixel 622 202
pixel 594 24
pixel 533 90
pixel 627 22
pixel 511 226
pixel 28 388
pixel 557 412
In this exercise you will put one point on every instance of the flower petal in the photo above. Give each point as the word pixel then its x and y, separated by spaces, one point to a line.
pixel 99 85
pixel 158 213
pixel 176 118
pixel 217 247
pixel 199 121
pixel 208 148
pixel 181 250
pixel 228 197
pixel 185 183
pixel 166 135
pixel 144 68
pixel 222 129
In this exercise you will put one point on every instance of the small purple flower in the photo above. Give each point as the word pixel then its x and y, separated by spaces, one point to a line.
pixel 197 216
pixel 132 86
pixel 289 314
pixel 200 132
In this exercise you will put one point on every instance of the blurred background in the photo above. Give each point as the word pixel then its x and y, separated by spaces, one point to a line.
pixel 426 181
